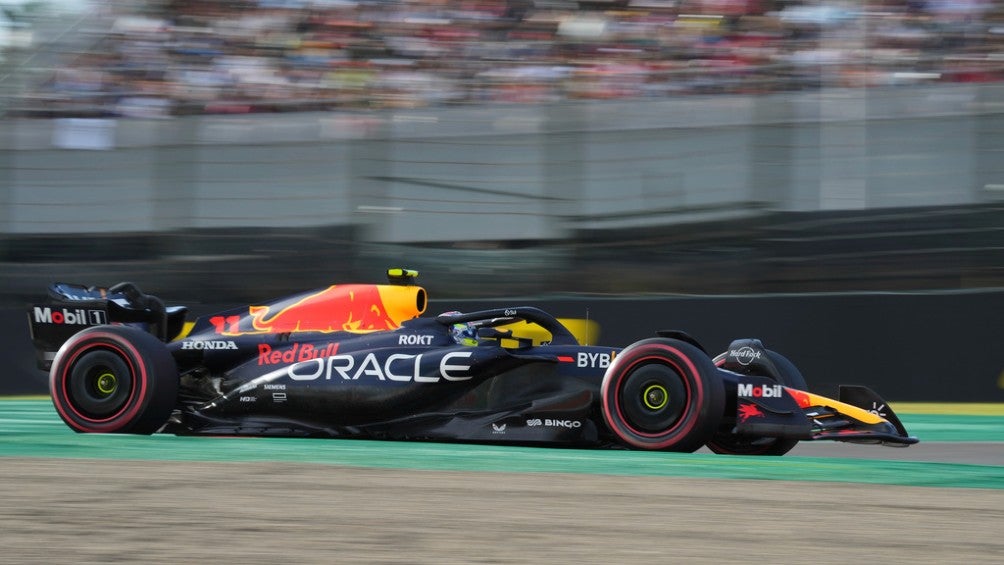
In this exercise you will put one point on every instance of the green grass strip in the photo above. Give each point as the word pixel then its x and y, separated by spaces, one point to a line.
pixel 30 428
pixel 950 408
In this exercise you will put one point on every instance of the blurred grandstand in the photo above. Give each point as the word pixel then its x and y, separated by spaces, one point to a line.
pixel 504 147
pixel 175 57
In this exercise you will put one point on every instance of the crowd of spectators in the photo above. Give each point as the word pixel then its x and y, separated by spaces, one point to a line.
pixel 233 56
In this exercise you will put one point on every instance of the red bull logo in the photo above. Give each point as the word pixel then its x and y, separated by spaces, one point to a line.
pixel 296 352
pixel 352 307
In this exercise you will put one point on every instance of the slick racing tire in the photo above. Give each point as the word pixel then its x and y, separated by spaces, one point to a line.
pixel 114 379
pixel 727 443
pixel 662 394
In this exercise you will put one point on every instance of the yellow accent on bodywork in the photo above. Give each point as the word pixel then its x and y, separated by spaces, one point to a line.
pixel 586 332
pixel 185 330
pixel 859 414
pixel 402 303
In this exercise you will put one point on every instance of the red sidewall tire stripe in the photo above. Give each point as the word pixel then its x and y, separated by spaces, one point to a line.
pixel 60 375
pixel 688 420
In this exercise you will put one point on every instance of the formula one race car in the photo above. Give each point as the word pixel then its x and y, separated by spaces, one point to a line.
pixel 359 360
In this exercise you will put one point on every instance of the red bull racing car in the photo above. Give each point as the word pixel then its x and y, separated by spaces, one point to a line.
pixel 361 360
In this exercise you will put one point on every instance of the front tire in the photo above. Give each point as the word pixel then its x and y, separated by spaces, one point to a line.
pixel 662 394
pixel 113 379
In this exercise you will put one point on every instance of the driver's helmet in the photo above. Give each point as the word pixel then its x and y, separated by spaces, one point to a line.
pixel 464 333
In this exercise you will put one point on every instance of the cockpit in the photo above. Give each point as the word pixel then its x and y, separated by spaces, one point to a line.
pixel 518 327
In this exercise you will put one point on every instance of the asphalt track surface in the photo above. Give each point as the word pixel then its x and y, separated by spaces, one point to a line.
pixel 75 498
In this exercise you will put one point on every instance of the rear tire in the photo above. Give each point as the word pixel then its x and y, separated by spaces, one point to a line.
pixel 662 394
pixel 727 443
pixel 114 379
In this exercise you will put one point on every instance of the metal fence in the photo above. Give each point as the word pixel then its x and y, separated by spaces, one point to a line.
pixel 551 192
pixel 513 173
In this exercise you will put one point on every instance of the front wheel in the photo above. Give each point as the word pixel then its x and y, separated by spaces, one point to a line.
pixel 662 394
pixel 114 379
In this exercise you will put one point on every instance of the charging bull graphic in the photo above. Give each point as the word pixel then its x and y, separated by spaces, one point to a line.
pixel 350 307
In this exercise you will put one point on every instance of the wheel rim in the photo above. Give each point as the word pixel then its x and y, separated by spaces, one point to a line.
pixel 99 385
pixel 654 398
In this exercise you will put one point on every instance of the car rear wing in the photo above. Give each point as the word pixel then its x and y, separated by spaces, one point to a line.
pixel 70 308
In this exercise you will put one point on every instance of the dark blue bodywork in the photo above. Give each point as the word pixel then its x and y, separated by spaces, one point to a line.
pixel 414 382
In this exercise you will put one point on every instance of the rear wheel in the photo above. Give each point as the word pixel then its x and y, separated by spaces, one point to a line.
pixel 114 379
pixel 727 443
pixel 662 394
